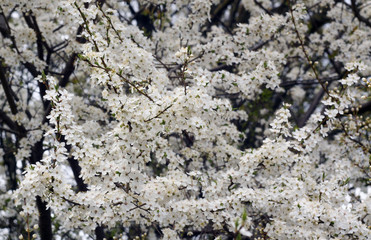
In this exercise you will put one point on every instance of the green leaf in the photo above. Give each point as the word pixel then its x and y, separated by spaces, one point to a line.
pixel 244 215
pixel 345 182
pixel 236 223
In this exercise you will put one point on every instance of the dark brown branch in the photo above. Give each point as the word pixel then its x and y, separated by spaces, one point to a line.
pixel 138 206
pixel 71 202
pixel 59 46
pixel 9 130
pixel 221 67
pixel 217 12
pixel 45 221
pixel 76 169
pixel 301 41
pixel 366 107
pixel 68 70
pixel 233 12
pixel 40 42
pixel 159 114
pixel 288 84
pixel 6 32
pixel 32 69
pixel 4 27
pixel 99 233
pixel 312 107
pixel 7 90
pixel 12 125
pixel 262 7
pixel 358 15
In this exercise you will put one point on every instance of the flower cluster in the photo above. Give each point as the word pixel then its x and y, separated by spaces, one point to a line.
pixel 186 119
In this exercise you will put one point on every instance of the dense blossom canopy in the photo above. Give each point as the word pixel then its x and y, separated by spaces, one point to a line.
pixel 189 119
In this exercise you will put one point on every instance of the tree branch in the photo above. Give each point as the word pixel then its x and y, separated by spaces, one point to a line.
pixel 12 125
pixel 358 15
pixel 45 221
pixel 312 107
pixel 7 90
pixel 68 70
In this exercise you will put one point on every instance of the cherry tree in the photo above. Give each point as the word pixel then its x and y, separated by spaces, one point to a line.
pixel 189 119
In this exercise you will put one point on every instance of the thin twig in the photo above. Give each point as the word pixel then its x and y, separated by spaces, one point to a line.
pixel 305 51
pixel 159 114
